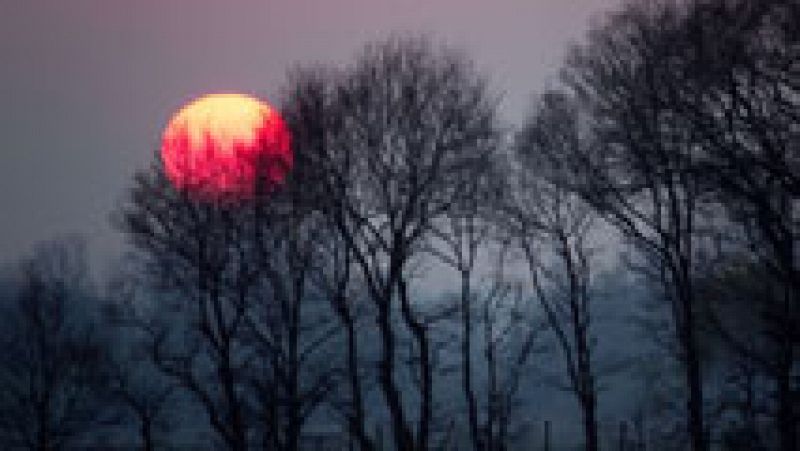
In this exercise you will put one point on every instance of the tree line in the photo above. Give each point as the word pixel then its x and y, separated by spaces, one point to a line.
pixel 422 259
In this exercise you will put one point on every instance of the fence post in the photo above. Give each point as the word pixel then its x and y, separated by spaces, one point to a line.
pixel 546 435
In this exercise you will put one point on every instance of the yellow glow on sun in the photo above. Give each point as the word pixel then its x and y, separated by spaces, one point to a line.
pixel 226 119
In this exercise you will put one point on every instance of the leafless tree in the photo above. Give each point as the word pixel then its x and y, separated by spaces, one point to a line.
pixel 511 335
pixel 637 170
pixel 310 111
pixel 697 102
pixel 459 239
pixel 735 84
pixel 291 325
pixel 144 395
pixel 413 123
pixel 51 370
pixel 728 290
pixel 143 392
pixel 552 225
pixel 239 272
pixel 188 248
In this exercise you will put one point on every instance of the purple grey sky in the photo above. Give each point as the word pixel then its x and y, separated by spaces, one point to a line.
pixel 86 85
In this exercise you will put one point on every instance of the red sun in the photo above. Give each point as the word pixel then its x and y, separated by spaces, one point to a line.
pixel 226 146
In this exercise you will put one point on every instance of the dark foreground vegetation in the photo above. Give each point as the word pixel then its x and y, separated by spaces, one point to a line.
pixel 423 275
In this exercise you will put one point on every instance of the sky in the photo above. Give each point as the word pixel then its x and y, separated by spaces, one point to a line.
pixel 86 87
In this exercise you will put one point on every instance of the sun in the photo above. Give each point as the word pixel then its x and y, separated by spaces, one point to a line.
pixel 226 146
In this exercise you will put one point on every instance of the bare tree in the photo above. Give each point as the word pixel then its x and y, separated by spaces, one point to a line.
pixel 291 324
pixel 510 332
pixel 697 101
pixel 247 336
pixel 143 393
pixel 52 362
pixel 637 170
pixel 737 323
pixel 552 225
pixel 310 112
pixel 413 123
pixel 735 85
pixel 345 294
pixel 459 239
pixel 191 253
pixel 462 236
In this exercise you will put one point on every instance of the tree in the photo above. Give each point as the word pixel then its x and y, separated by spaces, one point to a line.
pixel 459 239
pixel 414 123
pixel 738 294
pixel 698 101
pixel 637 169
pixel 735 85
pixel 191 253
pixel 143 393
pixel 239 271
pixel 510 335
pixel 291 325
pixel 52 361
pixel 551 225
pixel 310 113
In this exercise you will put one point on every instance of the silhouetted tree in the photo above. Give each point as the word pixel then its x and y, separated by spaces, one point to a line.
pixel 510 334
pixel 291 325
pixel 413 124
pixel 238 271
pixel 637 169
pixel 51 369
pixel 311 112
pixel 734 83
pixel 189 249
pixel 144 394
pixel 692 108
pixel 552 225
pixel 459 239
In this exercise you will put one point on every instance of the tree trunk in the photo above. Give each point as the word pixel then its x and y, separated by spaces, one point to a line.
pixel 786 423
pixel 237 440
pixel 426 371
pixel 402 435
pixel 147 435
pixel 590 424
pixel 357 420
pixel 491 403
pixel 466 366
pixel 294 425
pixel 694 404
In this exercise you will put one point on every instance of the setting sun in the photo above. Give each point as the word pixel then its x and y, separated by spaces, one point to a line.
pixel 224 145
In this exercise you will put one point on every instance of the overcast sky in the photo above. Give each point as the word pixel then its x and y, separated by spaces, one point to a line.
pixel 86 86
